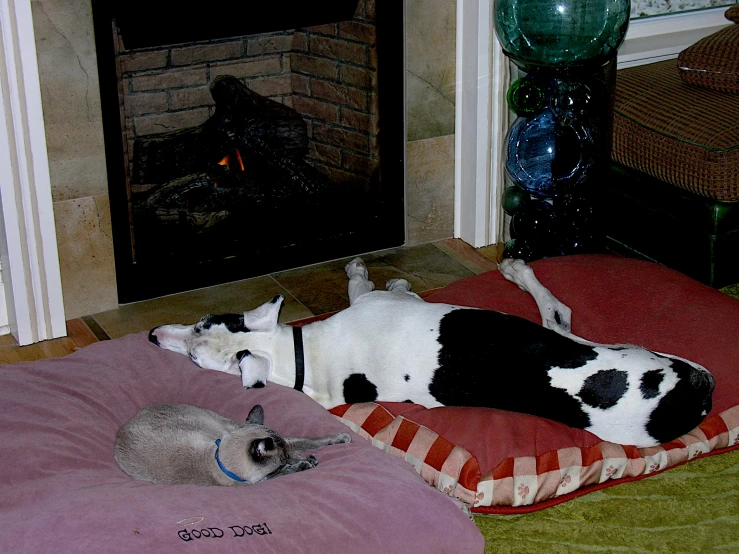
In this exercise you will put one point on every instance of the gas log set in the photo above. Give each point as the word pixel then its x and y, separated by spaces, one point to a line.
pixel 240 177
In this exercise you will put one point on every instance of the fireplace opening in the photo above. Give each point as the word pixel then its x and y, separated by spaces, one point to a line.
pixel 247 141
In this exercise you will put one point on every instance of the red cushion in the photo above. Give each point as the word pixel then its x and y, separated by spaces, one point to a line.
pixel 614 300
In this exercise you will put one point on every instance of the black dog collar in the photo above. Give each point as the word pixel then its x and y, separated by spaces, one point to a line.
pixel 299 358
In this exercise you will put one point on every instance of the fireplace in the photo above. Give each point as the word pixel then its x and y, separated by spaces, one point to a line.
pixel 243 141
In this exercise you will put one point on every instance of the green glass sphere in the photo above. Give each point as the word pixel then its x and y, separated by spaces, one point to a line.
pixel 513 198
pixel 527 96
pixel 561 34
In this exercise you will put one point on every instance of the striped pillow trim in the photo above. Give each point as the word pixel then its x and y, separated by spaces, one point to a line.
pixel 449 468
pixel 520 484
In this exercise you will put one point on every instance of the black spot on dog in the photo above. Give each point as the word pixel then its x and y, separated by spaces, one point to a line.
pixel 407 377
pixel 258 385
pixel 152 338
pixel 618 348
pixel 495 360
pixel 233 322
pixel 604 388
pixel 683 408
pixel 408 401
pixel 357 388
pixel 650 381
pixel 241 354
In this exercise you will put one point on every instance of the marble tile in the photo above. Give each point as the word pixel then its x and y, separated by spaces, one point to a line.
pixel 430 67
pixel 70 96
pixel 86 262
pixel 322 288
pixel 430 189
pixel 429 113
pixel 189 307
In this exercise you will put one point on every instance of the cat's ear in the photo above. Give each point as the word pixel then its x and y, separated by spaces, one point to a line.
pixel 256 415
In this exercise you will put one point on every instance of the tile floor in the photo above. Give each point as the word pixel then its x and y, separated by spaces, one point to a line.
pixel 308 291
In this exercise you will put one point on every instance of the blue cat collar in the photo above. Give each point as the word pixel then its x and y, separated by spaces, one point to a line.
pixel 223 468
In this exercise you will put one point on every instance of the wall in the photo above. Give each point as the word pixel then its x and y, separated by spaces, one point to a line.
pixel 74 136
pixel 430 86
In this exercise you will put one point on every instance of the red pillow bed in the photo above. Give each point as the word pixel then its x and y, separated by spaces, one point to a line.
pixel 503 462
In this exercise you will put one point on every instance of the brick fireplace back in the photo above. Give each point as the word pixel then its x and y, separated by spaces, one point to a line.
pixel 205 190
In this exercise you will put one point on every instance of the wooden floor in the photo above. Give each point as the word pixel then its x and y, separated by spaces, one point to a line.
pixel 78 336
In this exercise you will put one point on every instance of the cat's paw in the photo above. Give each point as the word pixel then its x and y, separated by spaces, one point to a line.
pixel 308 462
pixel 341 438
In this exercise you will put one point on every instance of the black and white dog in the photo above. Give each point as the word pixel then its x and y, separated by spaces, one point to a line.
pixel 392 346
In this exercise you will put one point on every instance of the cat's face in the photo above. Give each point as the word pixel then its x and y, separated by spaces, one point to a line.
pixel 253 451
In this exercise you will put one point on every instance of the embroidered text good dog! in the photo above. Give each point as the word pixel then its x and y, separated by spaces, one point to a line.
pixel 392 346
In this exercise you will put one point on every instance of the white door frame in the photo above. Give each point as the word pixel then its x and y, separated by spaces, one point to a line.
pixel 28 249
pixel 481 124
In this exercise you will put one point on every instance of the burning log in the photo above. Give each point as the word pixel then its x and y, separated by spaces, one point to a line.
pixel 241 116
pixel 249 154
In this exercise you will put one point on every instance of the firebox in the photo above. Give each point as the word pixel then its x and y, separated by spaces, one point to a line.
pixel 244 139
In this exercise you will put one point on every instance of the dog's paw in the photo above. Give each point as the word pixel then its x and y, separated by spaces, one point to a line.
pixel 511 269
pixel 397 284
pixel 356 267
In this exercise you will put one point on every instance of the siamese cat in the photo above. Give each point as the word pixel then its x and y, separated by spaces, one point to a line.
pixel 182 444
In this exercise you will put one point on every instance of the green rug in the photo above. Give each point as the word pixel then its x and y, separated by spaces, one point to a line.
pixel 693 508
pixel 731 290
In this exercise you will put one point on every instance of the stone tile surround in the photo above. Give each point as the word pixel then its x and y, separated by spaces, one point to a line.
pixel 68 67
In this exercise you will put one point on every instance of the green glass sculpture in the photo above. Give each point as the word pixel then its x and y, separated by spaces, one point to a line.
pixel 561 34
pixel 559 146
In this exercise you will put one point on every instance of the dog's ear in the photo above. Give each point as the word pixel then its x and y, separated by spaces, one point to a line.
pixel 264 318
pixel 254 369
pixel 256 415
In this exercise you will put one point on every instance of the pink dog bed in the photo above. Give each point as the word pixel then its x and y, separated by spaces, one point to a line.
pixel 61 490
pixel 503 462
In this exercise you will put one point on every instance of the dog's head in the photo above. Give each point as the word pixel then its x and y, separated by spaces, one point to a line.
pixel 253 451
pixel 232 343
pixel 684 406
pixel 632 395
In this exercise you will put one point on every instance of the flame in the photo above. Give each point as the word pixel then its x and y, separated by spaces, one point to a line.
pixel 233 160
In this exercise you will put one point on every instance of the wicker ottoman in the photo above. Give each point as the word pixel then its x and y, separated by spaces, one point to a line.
pixel 672 195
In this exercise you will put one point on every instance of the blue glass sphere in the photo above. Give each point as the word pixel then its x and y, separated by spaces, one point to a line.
pixel 521 250
pixel 534 222
pixel 579 243
pixel 544 156
pixel 570 99
pixel 574 213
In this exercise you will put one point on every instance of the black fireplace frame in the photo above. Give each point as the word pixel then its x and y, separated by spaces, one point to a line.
pixel 137 281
